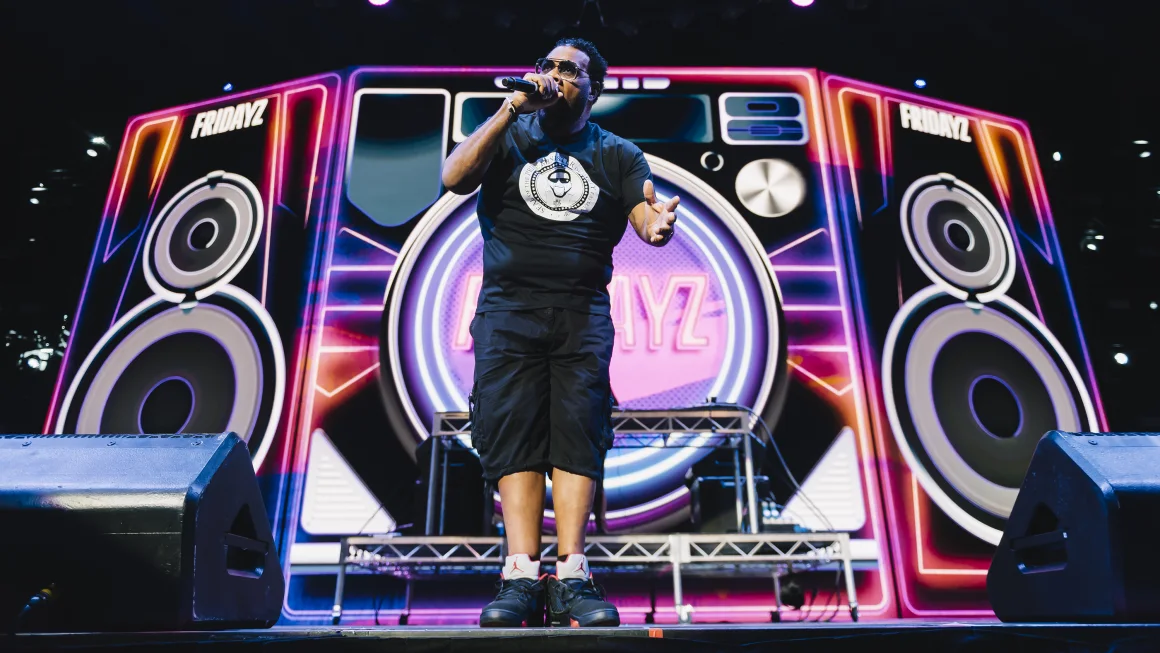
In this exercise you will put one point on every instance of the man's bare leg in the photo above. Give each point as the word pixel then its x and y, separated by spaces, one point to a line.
pixel 522 495
pixel 572 499
pixel 520 601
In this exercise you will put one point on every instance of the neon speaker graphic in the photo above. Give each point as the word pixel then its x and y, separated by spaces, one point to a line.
pixel 969 321
pixel 200 355
pixel 196 295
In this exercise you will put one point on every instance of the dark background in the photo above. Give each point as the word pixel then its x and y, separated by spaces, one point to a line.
pixel 1081 73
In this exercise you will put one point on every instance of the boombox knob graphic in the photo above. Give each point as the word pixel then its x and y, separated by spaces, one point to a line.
pixel 770 188
pixel 712 161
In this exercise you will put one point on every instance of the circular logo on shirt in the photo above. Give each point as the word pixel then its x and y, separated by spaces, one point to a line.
pixel 556 187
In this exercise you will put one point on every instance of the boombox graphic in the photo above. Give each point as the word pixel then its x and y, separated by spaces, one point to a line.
pixel 880 281
pixel 968 325
pixel 747 305
pixel 192 315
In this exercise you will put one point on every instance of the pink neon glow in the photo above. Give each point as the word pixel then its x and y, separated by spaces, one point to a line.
pixel 274 156
pixel 158 180
pixel 803 3
pixel 379 3
pixel 159 166
pixel 997 177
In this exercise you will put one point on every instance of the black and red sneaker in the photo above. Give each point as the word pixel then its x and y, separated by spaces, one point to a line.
pixel 520 602
pixel 579 603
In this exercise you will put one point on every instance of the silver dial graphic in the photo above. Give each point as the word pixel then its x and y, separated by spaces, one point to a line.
pixel 770 187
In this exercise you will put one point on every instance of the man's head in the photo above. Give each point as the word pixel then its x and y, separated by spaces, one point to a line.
pixel 579 68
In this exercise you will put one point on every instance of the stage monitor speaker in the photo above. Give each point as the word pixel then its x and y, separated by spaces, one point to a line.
pixel 134 532
pixel 1079 545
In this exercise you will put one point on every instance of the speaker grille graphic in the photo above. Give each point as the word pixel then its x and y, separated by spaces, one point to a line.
pixel 203 237
pixel 957 237
pixel 217 366
pixel 969 390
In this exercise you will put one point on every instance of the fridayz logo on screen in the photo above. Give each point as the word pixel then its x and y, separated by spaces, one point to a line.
pixel 228 119
pixel 939 123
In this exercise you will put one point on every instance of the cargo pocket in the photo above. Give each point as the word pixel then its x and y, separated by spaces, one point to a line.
pixel 478 438
pixel 609 435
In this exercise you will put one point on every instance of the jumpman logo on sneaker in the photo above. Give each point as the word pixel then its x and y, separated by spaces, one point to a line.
pixel 582 569
pixel 516 566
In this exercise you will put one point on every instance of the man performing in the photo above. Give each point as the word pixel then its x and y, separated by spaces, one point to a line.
pixel 555 193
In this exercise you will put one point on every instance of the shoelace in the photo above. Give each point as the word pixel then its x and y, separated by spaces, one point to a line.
pixel 520 589
pixel 579 589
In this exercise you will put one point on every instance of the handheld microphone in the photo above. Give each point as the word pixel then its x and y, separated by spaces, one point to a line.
pixel 517 84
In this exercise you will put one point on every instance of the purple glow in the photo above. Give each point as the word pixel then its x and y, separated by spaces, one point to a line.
pixel 379 3
pixel 975 413
pixel 803 3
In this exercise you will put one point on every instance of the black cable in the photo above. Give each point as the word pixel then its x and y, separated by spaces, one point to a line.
pixel 806 609
pixel 836 595
pixel 777 450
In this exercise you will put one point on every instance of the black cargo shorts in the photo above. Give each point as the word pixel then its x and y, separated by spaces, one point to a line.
pixel 541 397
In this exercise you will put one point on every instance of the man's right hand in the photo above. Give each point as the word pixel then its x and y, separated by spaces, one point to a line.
pixel 531 102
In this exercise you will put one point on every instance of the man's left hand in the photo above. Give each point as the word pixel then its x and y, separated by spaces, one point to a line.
pixel 659 216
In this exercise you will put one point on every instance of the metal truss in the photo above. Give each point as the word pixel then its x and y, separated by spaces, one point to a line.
pixel 671 553
pixel 710 428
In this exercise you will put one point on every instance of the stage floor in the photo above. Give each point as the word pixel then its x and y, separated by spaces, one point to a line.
pixel 893 636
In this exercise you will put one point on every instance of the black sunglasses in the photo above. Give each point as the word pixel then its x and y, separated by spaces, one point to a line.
pixel 569 71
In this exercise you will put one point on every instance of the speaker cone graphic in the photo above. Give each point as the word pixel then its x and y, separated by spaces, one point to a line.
pixel 163 368
pixel 203 237
pixel 969 391
pixel 958 238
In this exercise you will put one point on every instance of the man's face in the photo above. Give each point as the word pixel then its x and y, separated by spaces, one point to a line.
pixel 576 93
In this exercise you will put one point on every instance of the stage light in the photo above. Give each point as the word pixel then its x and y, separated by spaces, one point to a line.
pixel 39 188
pixel 803 3
pixel 228 87
pixel 920 83
pixel 1139 142
pixel 1057 156
pixel 1121 358
pixel 1099 236
pixel 97 140
pixel 1153 305
pixel 1145 155
pixel 379 3
pixel 34 201
pixel 34 363
pixel 1092 246
pixel 92 153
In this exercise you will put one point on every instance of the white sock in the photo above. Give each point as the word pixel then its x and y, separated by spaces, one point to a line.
pixel 574 566
pixel 521 565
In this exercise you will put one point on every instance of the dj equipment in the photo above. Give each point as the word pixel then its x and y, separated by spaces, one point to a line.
pixel 517 84
pixel 1078 546
pixel 969 318
pixel 198 287
pixel 135 532
pixel 749 303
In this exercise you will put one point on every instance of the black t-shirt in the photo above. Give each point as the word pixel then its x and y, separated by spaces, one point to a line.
pixel 551 213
